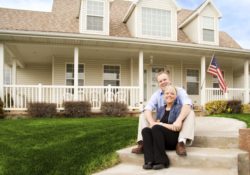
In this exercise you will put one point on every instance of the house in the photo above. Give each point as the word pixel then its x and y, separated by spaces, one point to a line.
pixel 103 50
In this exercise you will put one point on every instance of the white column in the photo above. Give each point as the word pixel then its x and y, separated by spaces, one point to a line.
pixel 131 71
pixel 13 72
pixel 1 69
pixel 203 80
pixel 76 62
pixel 141 99
pixel 246 81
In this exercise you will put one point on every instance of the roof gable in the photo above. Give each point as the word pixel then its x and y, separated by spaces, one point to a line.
pixel 198 11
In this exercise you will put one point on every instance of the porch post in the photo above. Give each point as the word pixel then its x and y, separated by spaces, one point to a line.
pixel 203 80
pixel 13 72
pixel 246 81
pixel 1 69
pixel 141 99
pixel 76 58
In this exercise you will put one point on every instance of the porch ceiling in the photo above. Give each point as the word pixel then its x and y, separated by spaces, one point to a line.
pixel 41 47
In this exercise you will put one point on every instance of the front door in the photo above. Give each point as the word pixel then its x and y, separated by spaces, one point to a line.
pixel 150 81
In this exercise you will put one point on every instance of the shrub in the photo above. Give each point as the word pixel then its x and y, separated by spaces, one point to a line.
pixel 245 108
pixel 216 107
pixel 114 108
pixel 234 106
pixel 77 108
pixel 40 109
pixel 1 109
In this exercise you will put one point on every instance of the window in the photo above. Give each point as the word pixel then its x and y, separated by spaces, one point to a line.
pixel 95 15
pixel 70 74
pixel 156 22
pixel 192 82
pixel 111 75
pixel 208 29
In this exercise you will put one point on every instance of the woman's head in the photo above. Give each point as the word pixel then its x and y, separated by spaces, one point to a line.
pixel 170 94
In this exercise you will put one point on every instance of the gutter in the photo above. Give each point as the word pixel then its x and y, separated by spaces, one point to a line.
pixel 139 42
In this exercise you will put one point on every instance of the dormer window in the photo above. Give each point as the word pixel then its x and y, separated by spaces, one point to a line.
pixel 95 15
pixel 156 23
pixel 208 29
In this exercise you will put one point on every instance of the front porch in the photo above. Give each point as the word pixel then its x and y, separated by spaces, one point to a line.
pixel 17 97
pixel 58 68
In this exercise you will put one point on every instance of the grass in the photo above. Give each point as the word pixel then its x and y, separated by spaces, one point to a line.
pixel 243 117
pixel 75 146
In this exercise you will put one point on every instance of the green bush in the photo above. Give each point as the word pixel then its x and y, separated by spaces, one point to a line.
pixel 77 109
pixel 40 109
pixel 1 109
pixel 234 106
pixel 245 108
pixel 114 108
pixel 216 107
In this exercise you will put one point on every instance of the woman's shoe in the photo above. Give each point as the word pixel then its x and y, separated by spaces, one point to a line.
pixel 159 166
pixel 148 166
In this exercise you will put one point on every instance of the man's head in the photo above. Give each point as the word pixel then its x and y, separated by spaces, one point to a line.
pixel 163 79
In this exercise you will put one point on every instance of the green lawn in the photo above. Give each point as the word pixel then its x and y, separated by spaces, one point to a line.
pixel 62 146
pixel 242 117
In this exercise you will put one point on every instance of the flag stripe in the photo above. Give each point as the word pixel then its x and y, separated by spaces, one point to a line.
pixel 214 69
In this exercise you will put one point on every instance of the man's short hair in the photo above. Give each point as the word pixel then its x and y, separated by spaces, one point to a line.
pixel 162 72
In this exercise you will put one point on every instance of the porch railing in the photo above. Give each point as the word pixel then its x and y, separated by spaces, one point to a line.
pixel 17 97
pixel 216 94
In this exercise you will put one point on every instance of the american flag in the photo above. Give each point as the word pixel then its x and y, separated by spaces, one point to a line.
pixel 214 69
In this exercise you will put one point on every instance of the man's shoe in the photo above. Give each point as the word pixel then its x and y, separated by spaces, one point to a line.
pixel 148 166
pixel 181 149
pixel 138 149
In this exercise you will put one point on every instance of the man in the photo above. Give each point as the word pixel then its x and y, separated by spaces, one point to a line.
pixel 184 122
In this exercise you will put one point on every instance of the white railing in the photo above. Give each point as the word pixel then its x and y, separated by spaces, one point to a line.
pixel 213 94
pixel 17 97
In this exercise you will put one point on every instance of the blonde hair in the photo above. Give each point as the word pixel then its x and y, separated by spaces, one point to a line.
pixel 170 86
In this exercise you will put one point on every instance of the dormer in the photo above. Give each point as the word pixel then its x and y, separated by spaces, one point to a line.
pixel 155 19
pixel 94 17
pixel 202 26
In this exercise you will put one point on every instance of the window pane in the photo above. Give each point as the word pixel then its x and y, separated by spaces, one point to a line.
pixel 80 82
pixel 111 82
pixel 69 82
pixel 208 35
pixel 192 79
pixel 94 23
pixel 208 23
pixel 193 88
pixel 156 22
pixel 111 75
pixel 95 8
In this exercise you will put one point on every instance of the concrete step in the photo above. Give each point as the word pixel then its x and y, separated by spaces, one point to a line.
pixel 216 132
pixel 197 157
pixel 130 169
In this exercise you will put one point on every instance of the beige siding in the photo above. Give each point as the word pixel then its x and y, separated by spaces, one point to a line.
pixel 34 74
pixel 131 23
pixel 93 70
pixel 192 30
pixel 158 4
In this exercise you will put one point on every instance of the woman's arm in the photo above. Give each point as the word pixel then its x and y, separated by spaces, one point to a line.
pixel 169 126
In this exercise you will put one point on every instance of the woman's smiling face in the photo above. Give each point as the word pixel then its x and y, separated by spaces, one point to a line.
pixel 170 94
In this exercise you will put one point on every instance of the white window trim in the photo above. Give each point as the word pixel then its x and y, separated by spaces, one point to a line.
pixel 83 19
pixel 216 31
pixel 65 72
pixel 187 81
pixel 120 78
pixel 159 37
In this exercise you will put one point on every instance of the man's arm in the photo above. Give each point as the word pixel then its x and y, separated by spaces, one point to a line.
pixel 185 110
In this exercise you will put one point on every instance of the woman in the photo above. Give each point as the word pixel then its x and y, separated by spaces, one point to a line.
pixel 162 135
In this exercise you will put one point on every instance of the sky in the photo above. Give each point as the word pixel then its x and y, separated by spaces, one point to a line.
pixel 235 20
